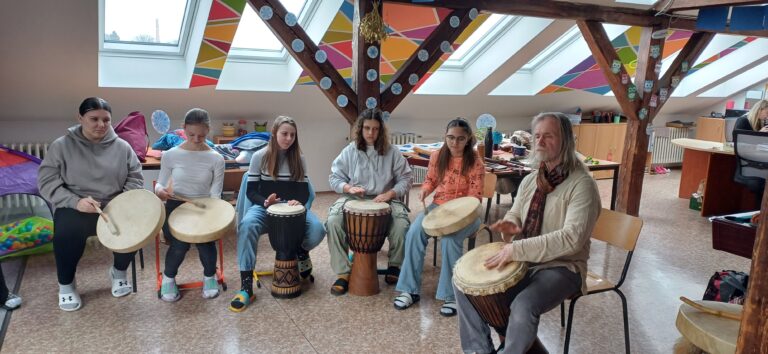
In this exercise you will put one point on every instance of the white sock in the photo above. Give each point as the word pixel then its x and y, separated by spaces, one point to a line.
pixel 210 292
pixel 68 288
pixel 119 274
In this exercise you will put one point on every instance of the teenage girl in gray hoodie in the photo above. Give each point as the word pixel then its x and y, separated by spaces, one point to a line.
pixel 82 170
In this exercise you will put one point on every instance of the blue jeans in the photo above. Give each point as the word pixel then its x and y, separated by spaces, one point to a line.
pixel 451 247
pixel 254 224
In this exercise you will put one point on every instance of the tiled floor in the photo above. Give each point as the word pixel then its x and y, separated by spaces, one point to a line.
pixel 674 257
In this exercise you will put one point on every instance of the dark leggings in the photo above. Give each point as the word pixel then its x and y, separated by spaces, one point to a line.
pixel 178 249
pixel 70 230
pixel 3 288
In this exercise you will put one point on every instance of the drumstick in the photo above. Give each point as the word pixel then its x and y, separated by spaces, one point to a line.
pixel 112 228
pixel 711 311
pixel 190 201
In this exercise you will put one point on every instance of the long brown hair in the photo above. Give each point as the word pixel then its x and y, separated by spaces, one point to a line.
pixel 382 141
pixel 270 162
pixel 469 157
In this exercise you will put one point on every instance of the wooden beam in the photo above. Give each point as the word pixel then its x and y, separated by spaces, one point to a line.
pixel 363 63
pixel 605 55
pixel 306 57
pixel 753 333
pixel 577 11
pixel 688 56
pixel 445 32
pixel 680 5
pixel 636 141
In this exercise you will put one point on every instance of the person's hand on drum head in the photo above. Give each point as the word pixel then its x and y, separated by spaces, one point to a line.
pixel 500 259
pixel 293 202
pixel 163 194
pixel 360 191
pixel 506 227
pixel 385 197
pixel 87 205
pixel 272 199
pixel 423 194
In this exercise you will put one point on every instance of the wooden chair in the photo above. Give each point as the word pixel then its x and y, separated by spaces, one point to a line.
pixel 619 230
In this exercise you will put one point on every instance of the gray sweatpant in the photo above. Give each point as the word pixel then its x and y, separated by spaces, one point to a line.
pixel 537 293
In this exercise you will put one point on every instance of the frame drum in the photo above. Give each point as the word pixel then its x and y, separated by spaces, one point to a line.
pixel 138 215
pixel 193 224
pixel 710 333
pixel 488 289
pixel 452 216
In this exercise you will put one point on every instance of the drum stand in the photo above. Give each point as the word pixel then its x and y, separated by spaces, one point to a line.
pixel 193 285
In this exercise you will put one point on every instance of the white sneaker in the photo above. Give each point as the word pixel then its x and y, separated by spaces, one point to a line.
pixel 13 302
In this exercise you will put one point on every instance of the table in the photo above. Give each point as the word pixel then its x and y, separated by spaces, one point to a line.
pixel 415 159
pixel 711 161
pixel 733 237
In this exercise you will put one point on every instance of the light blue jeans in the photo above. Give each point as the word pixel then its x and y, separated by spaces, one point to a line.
pixel 254 224
pixel 451 248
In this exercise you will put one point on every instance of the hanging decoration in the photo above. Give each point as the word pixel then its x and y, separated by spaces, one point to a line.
pixel 372 26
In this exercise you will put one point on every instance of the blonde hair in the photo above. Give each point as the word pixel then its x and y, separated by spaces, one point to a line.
pixel 753 113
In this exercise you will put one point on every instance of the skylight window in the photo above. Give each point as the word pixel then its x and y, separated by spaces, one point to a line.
pixel 474 40
pixel 145 22
pixel 252 33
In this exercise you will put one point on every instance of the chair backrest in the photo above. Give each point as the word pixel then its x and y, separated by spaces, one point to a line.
pixel 489 185
pixel 618 229
pixel 751 149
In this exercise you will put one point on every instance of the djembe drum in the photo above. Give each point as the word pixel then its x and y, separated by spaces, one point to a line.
pixel 366 224
pixel 135 217
pixel 210 220
pixel 489 290
pixel 451 216
pixel 287 224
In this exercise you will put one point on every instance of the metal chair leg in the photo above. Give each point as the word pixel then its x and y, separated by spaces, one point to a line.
pixel 498 198
pixel 569 325
pixel 562 314
pixel 434 253
pixel 141 257
pixel 133 273
pixel 488 210
pixel 626 319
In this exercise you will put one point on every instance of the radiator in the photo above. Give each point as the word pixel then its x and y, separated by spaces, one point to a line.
pixel 20 200
pixel 664 152
pixel 398 138
pixel 418 174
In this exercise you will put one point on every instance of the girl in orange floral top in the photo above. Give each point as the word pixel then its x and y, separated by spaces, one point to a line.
pixel 454 171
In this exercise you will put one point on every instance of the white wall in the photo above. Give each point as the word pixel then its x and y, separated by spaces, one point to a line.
pixel 49 64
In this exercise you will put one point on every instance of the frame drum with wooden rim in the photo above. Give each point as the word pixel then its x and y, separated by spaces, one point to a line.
pixel 193 224
pixel 366 224
pixel 137 215
pixel 710 333
pixel 452 216
pixel 489 290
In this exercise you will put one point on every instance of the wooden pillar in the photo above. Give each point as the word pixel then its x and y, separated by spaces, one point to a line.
pixel 753 334
pixel 365 60
pixel 305 51
pixel 636 142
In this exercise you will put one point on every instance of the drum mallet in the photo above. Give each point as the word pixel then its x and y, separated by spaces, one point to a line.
pixel 112 228
pixel 190 201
